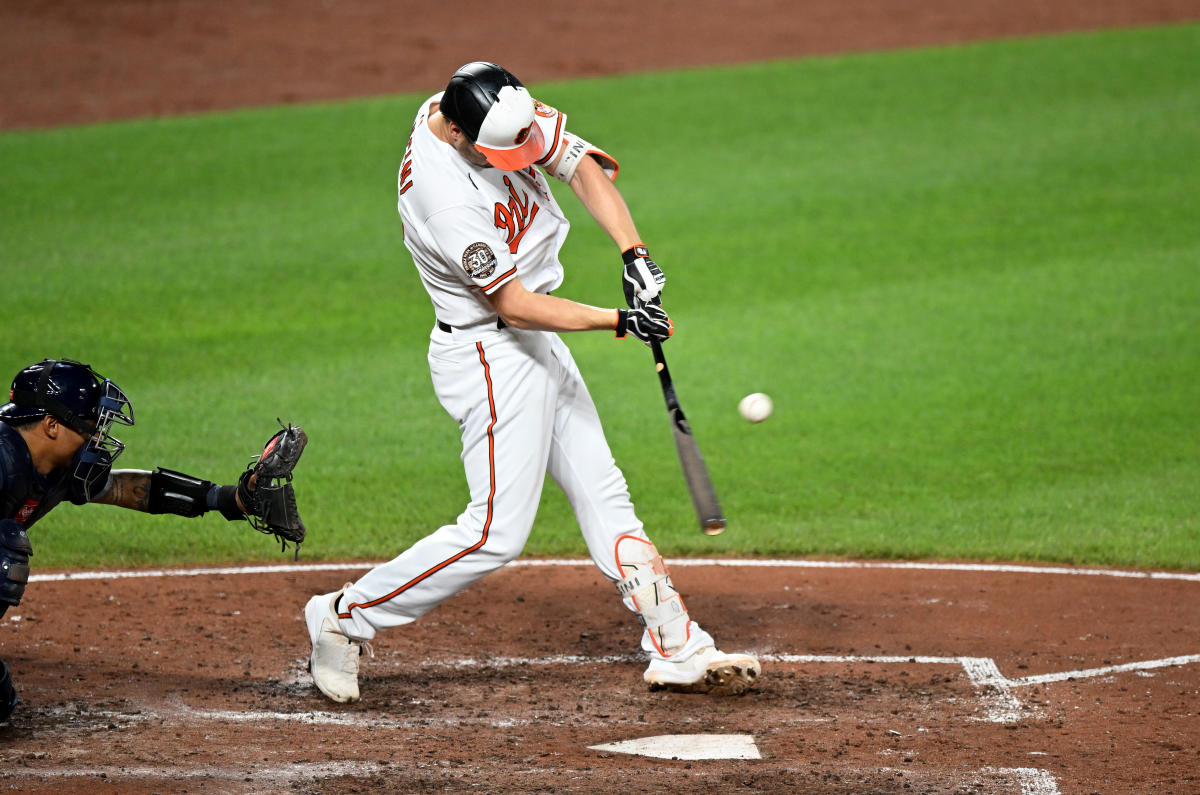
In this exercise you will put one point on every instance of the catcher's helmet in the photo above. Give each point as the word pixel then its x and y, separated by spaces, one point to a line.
pixel 495 111
pixel 81 399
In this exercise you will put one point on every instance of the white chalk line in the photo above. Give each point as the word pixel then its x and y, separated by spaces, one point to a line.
pixel 1147 665
pixel 731 562
pixel 1001 704
pixel 371 721
pixel 1032 781
pixel 297 771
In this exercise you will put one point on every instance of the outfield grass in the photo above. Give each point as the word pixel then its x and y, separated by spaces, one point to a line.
pixel 969 276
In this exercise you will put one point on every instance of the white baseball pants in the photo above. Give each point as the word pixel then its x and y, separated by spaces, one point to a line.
pixel 523 410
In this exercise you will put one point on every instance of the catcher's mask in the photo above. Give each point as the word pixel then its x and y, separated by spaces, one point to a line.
pixel 495 111
pixel 84 401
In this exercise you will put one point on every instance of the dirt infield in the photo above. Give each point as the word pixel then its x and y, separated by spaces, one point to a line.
pixel 71 61
pixel 877 678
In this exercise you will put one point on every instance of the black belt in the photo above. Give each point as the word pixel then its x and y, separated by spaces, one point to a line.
pixel 446 327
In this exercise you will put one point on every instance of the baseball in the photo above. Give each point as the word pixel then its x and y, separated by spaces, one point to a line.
pixel 755 407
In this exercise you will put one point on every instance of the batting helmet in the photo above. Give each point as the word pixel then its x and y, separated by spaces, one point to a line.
pixel 84 401
pixel 495 111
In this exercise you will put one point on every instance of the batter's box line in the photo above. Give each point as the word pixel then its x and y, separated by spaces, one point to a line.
pixel 281 568
pixel 1001 704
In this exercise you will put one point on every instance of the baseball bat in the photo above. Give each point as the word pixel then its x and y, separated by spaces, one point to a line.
pixel 704 497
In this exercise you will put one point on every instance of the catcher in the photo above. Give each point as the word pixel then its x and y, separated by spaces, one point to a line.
pixel 56 445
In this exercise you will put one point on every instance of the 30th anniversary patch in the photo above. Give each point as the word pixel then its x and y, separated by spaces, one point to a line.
pixel 479 261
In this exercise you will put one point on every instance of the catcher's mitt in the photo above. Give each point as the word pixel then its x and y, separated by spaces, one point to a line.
pixel 265 488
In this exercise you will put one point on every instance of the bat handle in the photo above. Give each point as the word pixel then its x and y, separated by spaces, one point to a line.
pixel 659 359
pixel 664 376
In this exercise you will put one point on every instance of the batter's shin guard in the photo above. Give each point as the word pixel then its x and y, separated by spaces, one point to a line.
pixel 647 584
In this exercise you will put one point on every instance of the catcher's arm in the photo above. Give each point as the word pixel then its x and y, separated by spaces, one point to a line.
pixel 263 495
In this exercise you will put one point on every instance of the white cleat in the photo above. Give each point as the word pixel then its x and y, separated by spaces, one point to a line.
pixel 706 671
pixel 334 661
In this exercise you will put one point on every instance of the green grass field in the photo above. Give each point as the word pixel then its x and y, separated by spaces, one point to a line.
pixel 969 277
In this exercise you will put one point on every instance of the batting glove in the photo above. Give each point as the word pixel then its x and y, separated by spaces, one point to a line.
pixel 642 280
pixel 648 323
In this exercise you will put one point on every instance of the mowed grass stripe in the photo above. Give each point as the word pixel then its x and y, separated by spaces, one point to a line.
pixel 967 276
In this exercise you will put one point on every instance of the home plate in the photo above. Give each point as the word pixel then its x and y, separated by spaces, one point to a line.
pixel 687 746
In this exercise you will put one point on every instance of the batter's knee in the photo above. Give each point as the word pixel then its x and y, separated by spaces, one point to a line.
pixel 503 549
pixel 503 537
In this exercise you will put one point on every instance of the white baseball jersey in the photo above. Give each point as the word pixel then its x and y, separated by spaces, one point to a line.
pixel 471 229
pixel 522 407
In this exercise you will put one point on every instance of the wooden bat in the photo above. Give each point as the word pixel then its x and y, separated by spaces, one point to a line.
pixel 704 497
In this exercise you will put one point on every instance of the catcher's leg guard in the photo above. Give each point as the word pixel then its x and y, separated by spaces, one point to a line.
pixel 8 693
pixel 15 550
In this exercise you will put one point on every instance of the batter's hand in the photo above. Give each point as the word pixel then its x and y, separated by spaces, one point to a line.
pixel 648 323
pixel 642 280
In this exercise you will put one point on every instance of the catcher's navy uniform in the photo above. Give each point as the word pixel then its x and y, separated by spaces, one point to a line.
pixel 79 399
pixel 25 497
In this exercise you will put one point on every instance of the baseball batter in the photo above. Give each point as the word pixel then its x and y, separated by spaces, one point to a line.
pixel 484 232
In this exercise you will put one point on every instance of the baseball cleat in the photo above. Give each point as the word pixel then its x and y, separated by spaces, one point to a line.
pixel 334 660
pixel 707 671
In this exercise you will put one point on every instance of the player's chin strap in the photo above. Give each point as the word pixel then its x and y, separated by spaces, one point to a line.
pixel 646 587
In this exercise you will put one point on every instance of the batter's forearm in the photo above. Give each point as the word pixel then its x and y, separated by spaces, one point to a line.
pixel 550 313
pixel 605 204
pixel 523 309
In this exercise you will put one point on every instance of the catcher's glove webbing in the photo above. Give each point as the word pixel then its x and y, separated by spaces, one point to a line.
pixel 270 502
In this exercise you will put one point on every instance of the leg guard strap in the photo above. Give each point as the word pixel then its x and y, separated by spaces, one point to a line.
pixel 642 575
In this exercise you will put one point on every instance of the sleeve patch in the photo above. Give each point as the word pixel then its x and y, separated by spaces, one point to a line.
pixel 479 261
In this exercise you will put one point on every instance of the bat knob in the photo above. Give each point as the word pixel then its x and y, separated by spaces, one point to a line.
pixel 714 527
